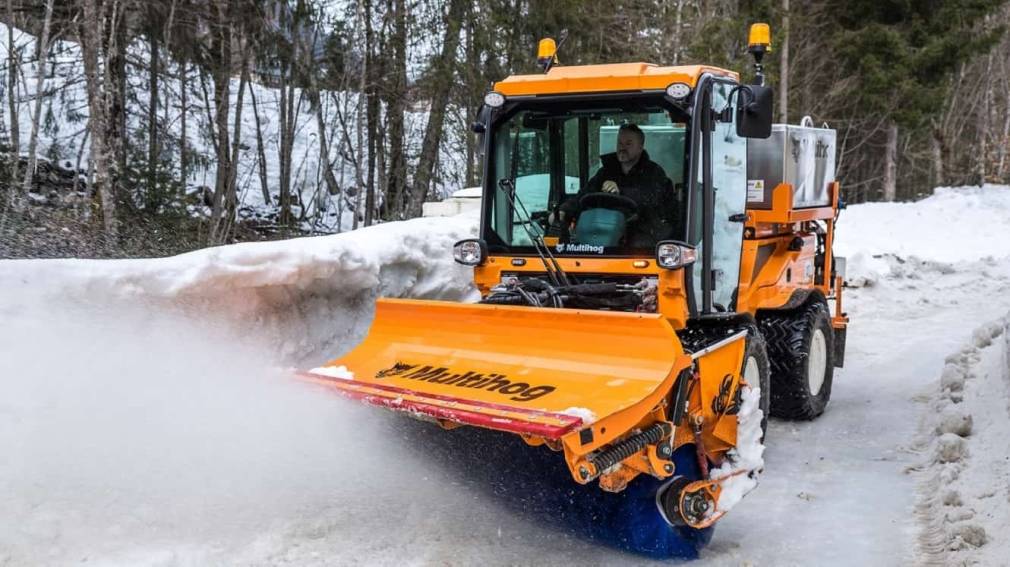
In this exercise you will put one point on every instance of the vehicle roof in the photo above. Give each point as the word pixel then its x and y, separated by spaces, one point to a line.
pixel 605 78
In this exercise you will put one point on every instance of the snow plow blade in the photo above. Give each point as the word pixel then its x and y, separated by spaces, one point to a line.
pixel 546 374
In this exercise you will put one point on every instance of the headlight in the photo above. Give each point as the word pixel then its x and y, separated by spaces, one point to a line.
pixel 672 255
pixel 469 252
pixel 494 99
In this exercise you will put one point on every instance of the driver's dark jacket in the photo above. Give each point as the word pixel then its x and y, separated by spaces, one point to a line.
pixel 647 184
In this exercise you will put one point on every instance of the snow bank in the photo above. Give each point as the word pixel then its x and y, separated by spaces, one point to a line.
pixel 955 225
pixel 965 482
pixel 308 295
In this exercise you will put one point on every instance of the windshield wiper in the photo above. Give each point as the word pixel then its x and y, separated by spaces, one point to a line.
pixel 554 271
pixel 508 186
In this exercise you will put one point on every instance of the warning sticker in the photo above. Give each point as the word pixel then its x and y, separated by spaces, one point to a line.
pixel 755 190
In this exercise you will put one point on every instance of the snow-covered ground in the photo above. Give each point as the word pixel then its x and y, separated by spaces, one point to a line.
pixel 141 422
pixel 954 226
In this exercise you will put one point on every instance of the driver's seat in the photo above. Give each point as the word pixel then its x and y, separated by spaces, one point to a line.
pixel 600 227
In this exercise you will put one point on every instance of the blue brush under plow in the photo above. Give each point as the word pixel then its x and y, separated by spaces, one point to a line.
pixel 535 482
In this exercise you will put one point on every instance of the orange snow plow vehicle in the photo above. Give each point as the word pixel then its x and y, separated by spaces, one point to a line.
pixel 656 275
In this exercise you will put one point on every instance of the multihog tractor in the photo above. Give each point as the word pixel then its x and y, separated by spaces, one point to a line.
pixel 656 275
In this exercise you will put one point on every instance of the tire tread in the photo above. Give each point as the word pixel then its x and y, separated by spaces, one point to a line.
pixel 788 335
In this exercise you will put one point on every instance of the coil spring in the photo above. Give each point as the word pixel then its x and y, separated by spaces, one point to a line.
pixel 628 447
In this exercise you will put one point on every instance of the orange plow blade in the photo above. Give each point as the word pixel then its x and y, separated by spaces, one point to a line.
pixel 536 372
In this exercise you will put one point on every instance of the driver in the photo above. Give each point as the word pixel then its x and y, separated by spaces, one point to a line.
pixel 629 172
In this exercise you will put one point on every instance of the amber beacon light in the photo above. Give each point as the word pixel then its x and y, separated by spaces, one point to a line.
pixel 547 51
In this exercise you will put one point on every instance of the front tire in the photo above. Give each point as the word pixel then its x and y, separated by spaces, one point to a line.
pixel 800 349
pixel 757 372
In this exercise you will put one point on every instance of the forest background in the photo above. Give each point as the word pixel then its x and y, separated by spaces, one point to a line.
pixel 142 127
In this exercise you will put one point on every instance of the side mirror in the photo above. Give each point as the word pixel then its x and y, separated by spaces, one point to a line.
pixel 479 126
pixel 754 112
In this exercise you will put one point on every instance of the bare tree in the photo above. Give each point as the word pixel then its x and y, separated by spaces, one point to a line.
pixel 261 157
pixel 13 64
pixel 92 30
pixel 154 72
pixel 42 58
pixel 784 66
pixel 394 94
pixel 114 84
pixel 443 70
pixel 891 162
pixel 183 133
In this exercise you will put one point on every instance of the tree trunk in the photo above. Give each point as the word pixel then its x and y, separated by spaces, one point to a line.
pixel 153 195
pixel 287 124
pixel 784 66
pixel 183 101
pixel 381 165
pixel 115 96
pixel 396 177
pixel 13 62
pixel 332 187
pixel 1005 138
pixel 678 28
pixel 982 155
pixel 442 83
pixel 42 57
pixel 371 111
pixel 227 217
pixel 261 155
pixel 891 163
pixel 92 34
pixel 283 164
pixel 937 150
pixel 474 92
pixel 221 76
pixel 363 16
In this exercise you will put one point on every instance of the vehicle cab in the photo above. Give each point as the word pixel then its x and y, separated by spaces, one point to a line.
pixel 546 136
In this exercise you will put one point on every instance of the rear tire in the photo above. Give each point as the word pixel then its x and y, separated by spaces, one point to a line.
pixel 801 353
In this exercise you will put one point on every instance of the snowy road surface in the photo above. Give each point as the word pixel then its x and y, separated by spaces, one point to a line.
pixel 835 491
pixel 131 434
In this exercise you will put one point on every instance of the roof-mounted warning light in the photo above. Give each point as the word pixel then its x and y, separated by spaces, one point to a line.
pixel 759 42
pixel 547 51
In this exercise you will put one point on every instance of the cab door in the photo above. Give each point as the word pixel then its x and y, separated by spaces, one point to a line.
pixel 722 165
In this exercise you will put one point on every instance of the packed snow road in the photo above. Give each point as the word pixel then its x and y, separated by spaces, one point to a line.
pixel 836 491
pixel 142 420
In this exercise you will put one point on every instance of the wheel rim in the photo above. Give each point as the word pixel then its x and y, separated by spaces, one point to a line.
pixel 817 362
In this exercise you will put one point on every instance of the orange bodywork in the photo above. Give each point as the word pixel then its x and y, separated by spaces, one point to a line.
pixel 774 265
pixel 606 78
pixel 586 379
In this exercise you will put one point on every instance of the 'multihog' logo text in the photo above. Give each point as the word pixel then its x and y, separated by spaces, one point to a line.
pixel 519 391
pixel 578 248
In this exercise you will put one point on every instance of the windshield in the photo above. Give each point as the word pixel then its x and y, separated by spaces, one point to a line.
pixel 589 180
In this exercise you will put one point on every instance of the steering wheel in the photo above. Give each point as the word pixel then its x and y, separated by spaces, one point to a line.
pixel 600 200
